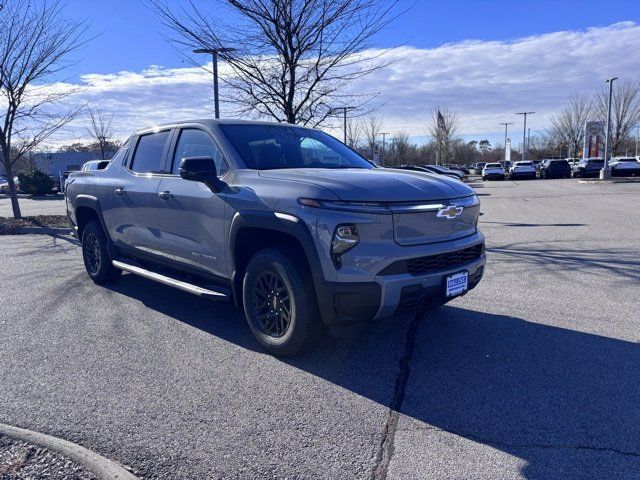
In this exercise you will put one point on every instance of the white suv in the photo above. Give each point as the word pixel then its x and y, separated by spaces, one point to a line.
pixel 493 171
pixel 522 169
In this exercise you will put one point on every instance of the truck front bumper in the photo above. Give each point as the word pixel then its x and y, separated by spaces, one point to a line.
pixel 349 303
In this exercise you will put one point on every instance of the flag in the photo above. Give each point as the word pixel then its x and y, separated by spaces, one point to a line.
pixel 442 125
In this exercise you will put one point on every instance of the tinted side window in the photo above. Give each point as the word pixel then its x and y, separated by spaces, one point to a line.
pixel 197 143
pixel 148 155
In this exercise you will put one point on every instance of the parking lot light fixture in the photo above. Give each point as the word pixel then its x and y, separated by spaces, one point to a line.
pixel 384 144
pixel 214 53
pixel 524 134
pixel 506 131
pixel 606 171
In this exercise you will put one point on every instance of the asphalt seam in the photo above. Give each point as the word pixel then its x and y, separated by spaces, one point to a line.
pixel 100 466
pixel 386 445
pixel 498 443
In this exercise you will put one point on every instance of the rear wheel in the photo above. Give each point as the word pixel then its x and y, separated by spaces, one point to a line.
pixel 96 256
pixel 280 303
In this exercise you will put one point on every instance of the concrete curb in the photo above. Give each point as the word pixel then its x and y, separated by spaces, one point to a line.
pixel 100 466
pixel 595 181
pixel 41 231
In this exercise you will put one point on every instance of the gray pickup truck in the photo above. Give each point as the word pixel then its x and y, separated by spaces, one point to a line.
pixel 287 222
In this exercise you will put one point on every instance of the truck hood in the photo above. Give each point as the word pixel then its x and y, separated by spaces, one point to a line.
pixel 378 184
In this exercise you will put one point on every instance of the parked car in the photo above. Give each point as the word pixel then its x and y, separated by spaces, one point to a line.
pixel 477 169
pixel 522 169
pixel 555 168
pixel 436 171
pixel 4 185
pixel 624 167
pixel 588 167
pixel 276 218
pixel 493 171
pixel 458 168
pixel 94 165
pixel 444 171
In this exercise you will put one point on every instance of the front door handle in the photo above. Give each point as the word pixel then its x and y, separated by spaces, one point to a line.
pixel 166 195
pixel 120 191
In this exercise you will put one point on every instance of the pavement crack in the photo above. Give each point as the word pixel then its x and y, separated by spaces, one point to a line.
pixel 386 446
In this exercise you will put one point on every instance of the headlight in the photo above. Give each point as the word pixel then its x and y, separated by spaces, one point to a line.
pixel 344 239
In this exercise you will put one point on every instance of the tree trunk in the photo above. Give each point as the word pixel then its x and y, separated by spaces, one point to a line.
pixel 13 194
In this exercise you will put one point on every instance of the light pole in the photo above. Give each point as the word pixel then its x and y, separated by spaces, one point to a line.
pixel 344 116
pixel 524 133
pixel 214 53
pixel 384 142
pixel 506 128
pixel 637 131
pixel 606 172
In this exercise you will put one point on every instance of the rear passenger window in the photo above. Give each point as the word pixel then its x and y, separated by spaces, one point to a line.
pixel 148 155
pixel 197 143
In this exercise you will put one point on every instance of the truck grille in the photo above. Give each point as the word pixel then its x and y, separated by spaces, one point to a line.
pixel 431 263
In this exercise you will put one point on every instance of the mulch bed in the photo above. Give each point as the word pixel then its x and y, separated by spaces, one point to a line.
pixel 9 225
pixel 23 461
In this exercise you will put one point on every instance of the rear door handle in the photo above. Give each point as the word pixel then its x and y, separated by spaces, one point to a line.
pixel 120 191
pixel 166 195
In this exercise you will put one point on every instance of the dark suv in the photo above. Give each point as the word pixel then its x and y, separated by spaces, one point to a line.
pixel 555 169
pixel 588 167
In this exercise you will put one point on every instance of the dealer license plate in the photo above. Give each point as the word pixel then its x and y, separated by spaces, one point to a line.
pixel 457 283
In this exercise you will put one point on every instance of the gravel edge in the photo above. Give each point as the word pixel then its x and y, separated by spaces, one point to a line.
pixel 100 466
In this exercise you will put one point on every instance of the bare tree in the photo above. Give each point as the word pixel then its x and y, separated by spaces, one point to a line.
pixel 401 148
pixel 34 44
pixel 442 127
pixel 625 112
pixel 568 124
pixel 372 127
pixel 354 133
pixel 101 129
pixel 292 59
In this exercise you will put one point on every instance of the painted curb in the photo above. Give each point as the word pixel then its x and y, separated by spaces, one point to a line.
pixel 101 467
pixel 595 181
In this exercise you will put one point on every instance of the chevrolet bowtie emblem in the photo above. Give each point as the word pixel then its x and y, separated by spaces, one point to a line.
pixel 450 212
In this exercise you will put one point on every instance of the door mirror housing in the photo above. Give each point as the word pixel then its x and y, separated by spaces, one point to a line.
pixel 201 169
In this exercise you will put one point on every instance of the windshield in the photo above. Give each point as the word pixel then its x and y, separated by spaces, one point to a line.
pixel 524 164
pixel 269 147
pixel 493 165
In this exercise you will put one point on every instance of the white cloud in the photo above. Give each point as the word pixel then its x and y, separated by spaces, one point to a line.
pixel 485 82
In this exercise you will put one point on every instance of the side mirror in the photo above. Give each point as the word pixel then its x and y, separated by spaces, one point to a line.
pixel 200 169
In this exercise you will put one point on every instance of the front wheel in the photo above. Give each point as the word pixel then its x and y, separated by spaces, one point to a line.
pixel 280 303
pixel 96 256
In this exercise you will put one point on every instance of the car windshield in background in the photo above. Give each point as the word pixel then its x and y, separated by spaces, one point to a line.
pixel 269 147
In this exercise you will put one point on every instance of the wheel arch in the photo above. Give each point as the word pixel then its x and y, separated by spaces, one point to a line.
pixel 251 232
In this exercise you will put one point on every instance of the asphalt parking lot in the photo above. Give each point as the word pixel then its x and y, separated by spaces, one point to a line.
pixel 534 374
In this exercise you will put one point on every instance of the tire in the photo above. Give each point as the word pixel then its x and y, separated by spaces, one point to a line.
pixel 279 333
pixel 96 256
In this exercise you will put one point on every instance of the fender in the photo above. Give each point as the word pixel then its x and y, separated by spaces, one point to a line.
pixel 279 222
pixel 89 201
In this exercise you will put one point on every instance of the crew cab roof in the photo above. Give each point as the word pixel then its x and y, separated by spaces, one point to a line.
pixel 211 123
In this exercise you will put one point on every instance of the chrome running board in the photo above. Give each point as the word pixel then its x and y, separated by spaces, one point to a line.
pixel 172 282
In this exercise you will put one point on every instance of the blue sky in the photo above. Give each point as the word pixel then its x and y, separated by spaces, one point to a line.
pixel 130 37
pixel 483 59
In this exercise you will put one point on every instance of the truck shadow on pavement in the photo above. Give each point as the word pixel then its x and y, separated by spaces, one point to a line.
pixel 613 262
pixel 566 402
